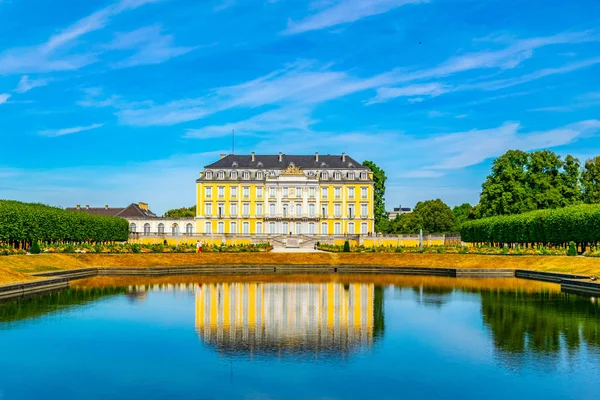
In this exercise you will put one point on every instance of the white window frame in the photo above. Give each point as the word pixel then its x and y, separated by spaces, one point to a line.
pixel 337 228
pixel 208 227
pixel 233 227
pixel 161 229
pixel 246 228
pixel 233 211
pixel 311 210
pixel 246 192
pixel 351 192
pixel 311 228
pixel 364 210
pixel 208 192
pixel 364 228
pixel 272 228
pixel 324 228
pixel 259 209
pixel 364 192
pixel 259 228
pixel 351 228
pixel 221 227
pixel 311 192
pixel 208 209
pixel 272 209
pixel 337 210
pixel 233 192
pixel 337 192
pixel 298 228
pixel 147 231
pixel 246 209
pixel 259 192
pixel 324 192
pixel 189 229
pixel 221 192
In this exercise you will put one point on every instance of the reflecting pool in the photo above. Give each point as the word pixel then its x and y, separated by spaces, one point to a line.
pixel 301 337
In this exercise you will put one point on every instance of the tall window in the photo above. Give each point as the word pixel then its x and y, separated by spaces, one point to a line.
pixel 285 227
pixel 363 175
pixel 175 229
pixel 364 228
pixel 208 209
pixel 337 210
pixel 311 192
pixel 208 227
pixel 337 228
pixel 208 174
pixel 298 192
pixel 311 210
pixel 233 227
pixel 221 210
pixel 351 175
pixel 259 229
pixel 259 175
pixel 233 209
pixel 272 209
pixel 233 175
pixel 364 210
pixel 233 191
pixel 351 228
pixel 246 228
pixel 324 192
pixel 221 174
pixel 221 192
pixel 324 175
pixel 259 209
pixel 298 228
pixel 324 211
pixel 311 228
pixel 246 209
pixel 132 228
pixel 299 209
pixel 146 229
pixel 161 229
pixel 337 192
pixel 364 192
pixel 337 176
pixel 285 210
pixel 259 192
pixel 285 192
pixel 324 230
pixel 272 192
pixel 272 229
pixel 246 175
pixel 221 228
pixel 246 192
pixel 351 211
pixel 208 192
pixel 189 229
pixel 351 192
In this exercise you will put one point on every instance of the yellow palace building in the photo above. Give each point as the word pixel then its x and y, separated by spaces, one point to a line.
pixel 285 195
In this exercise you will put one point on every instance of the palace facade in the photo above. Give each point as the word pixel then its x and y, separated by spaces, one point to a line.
pixel 285 195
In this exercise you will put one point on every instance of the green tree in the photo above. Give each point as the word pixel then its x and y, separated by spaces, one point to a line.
pixel 590 181
pixel 435 217
pixel 505 190
pixel 381 217
pixel 544 180
pixel 184 212
pixel 461 213
pixel 571 177
pixel 406 224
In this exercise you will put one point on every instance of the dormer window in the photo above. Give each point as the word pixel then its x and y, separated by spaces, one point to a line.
pixel 259 175
pixel 246 175
pixel 208 174
pixel 337 176
pixel 233 175
pixel 272 173
pixel 324 175
pixel 363 175
pixel 221 174
pixel 351 175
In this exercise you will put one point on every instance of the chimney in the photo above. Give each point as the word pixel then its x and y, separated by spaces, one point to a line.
pixel 343 157
pixel 106 206
pixel 280 156
pixel 78 206
pixel 222 156
pixel 143 206
pixel 87 206
pixel 317 156
pixel 252 156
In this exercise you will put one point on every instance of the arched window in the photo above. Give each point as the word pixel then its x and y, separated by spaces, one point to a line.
pixel 175 229
pixel 209 174
pixel 132 228
pixel 351 228
pixel 189 228
pixel 246 175
pixel 233 175
pixel 351 175
pixel 363 175
pixel 337 175
pixel 259 175
pixel 207 227
pixel 161 229
pixel 324 175
pixel 221 174
pixel 146 229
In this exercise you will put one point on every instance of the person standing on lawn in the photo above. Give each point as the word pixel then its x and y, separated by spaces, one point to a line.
pixel 198 246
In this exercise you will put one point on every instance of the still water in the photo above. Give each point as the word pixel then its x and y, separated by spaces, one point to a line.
pixel 301 337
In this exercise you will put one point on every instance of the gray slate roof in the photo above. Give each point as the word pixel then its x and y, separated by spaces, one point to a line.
pixel 132 210
pixel 272 162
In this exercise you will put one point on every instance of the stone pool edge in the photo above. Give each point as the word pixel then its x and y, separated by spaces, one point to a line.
pixel 57 280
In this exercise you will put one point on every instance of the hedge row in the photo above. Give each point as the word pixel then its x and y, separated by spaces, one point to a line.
pixel 579 224
pixel 26 222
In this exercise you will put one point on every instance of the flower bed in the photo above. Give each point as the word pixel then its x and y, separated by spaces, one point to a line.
pixel 122 248
pixel 487 250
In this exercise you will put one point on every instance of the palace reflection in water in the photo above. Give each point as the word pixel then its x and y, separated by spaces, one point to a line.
pixel 312 318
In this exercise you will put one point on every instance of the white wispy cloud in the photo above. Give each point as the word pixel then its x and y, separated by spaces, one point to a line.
pixel 4 97
pixel 26 84
pixel 50 55
pixel 427 89
pixel 149 46
pixel 345 11
pixel 68 131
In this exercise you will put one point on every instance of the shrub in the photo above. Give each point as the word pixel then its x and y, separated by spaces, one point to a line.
pixel 346 247
pixel 35 248
pixel 572 249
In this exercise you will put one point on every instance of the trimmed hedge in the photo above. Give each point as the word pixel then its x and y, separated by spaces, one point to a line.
pixel 579 224
pixel 28 222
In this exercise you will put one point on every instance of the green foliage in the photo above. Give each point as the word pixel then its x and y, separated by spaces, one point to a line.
pixel 520 182
pixel 590 181
pixel 557 226
pixel 26 222
pixel 35 248
pixel 461 213
pixel 346 247
pixel 184 212
pixel 379 178
pixel 572 249
pixel 433 216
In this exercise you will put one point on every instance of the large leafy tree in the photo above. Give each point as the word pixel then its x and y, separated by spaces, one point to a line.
pixel 590 181
pixel 184 212
pixel 379 178
pixel 544 180
pixel 570 185
pixel 461 213
pixel 433 216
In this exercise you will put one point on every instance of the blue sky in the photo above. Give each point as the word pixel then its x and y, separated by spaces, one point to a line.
pixel 113 102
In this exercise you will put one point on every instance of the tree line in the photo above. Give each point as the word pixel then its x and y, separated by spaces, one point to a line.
pixel 25 223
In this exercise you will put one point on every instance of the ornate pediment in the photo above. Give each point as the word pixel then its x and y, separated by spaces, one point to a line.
pixel 292 170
